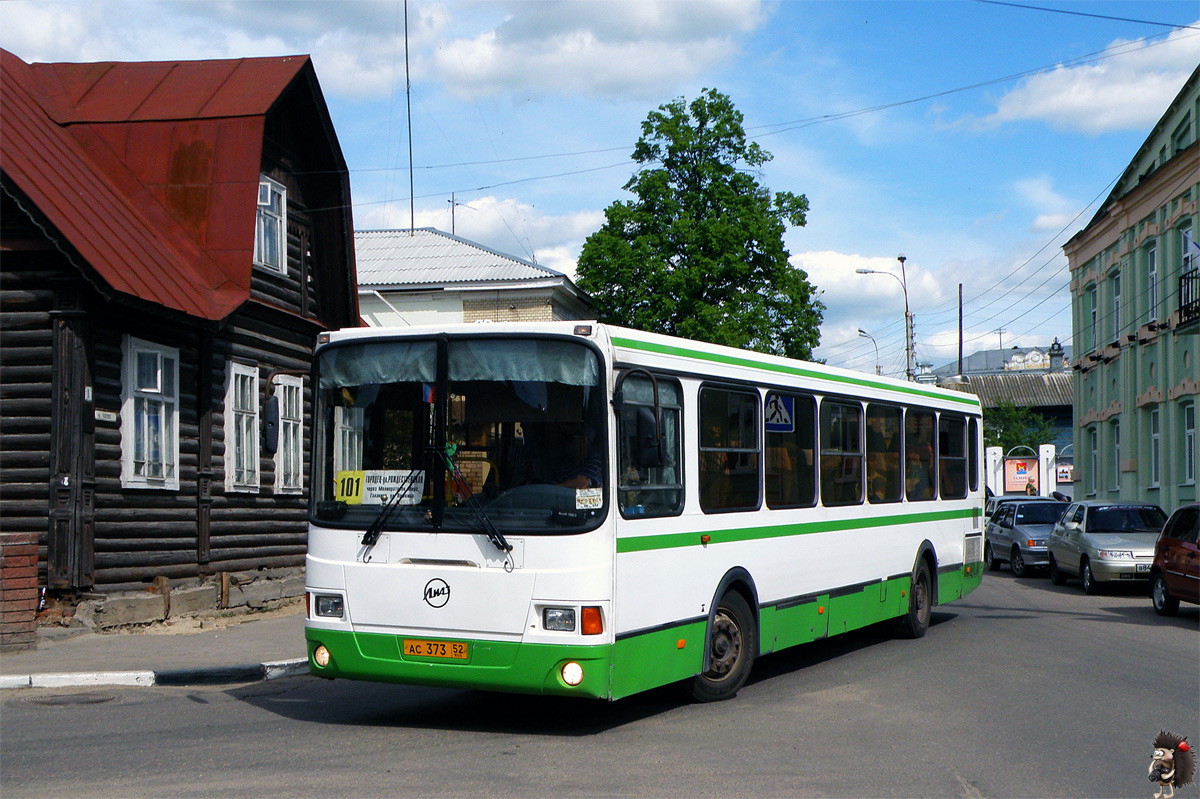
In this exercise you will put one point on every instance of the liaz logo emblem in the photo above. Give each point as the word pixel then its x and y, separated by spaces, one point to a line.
pixel 437 592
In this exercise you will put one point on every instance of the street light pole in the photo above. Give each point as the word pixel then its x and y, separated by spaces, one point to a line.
pixel 864 334
pixel 909 344
pixel 908 326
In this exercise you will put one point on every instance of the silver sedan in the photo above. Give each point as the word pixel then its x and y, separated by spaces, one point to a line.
pixel 1103 541
pixel 1017 533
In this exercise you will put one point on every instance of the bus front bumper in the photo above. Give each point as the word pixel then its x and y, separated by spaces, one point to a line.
pixel 489 665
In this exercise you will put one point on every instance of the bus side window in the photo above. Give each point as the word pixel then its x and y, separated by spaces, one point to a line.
pixel 952 456
pixel 790 432
pixel 973 450
pixel 841 453
pixel 649 490
pixel 884 483
pixel 920 472
pixel 729 450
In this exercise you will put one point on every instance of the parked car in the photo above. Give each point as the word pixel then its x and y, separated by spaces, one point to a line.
pixel 1018 532
pixel 1175 574
pixel 1103 541
pixel 995 501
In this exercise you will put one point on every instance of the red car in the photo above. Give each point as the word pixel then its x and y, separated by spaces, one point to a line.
pixel 1175 574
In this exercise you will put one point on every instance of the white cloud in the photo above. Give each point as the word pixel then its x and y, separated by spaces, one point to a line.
pixel 1054 211
pixel 1128 90
pixel 633 48
pixel 639 48
pixel 834 273
pixel 873 303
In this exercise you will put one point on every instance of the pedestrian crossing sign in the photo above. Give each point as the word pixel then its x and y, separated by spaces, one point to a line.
pixel 780 417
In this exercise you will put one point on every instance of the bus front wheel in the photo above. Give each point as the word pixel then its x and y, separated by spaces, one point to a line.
pixel 730 651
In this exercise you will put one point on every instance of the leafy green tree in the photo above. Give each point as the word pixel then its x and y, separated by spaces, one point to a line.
pixel 1008 425
pixel 699 252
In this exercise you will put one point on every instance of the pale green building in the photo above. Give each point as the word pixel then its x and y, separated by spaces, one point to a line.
pixel 1135 298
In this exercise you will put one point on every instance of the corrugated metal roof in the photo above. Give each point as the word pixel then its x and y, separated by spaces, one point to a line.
pixel 121 233
pixel 429 257
pixel 1023 390
pixel 156 90
pixel 149 170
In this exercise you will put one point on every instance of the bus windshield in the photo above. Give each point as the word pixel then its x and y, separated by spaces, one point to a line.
pixel 522 421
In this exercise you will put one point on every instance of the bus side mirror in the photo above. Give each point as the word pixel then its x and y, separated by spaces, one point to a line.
pixel 271 425
pixel 649 444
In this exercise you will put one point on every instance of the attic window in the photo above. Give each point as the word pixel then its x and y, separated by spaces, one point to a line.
pixel 270 244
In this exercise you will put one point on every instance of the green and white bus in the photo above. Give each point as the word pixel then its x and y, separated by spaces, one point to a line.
pixel 585 510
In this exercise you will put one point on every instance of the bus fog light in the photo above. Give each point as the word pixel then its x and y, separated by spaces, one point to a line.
pixel 572 673
pixel 559 619
pixel 330 606
pixel 321 656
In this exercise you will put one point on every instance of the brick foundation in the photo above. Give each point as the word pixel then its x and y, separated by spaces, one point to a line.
pixel 18 591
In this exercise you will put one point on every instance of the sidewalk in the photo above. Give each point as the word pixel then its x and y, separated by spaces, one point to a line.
pixel 247 649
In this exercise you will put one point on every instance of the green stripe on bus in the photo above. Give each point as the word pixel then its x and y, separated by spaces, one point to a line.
pixel 674 540
pixel 632 664
pixel 493 665
pixel 683 352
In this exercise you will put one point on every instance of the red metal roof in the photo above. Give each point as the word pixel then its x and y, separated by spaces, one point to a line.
pixel 167 90
pixel 150 171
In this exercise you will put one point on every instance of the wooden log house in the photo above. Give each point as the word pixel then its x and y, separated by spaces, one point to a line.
pixel 173 236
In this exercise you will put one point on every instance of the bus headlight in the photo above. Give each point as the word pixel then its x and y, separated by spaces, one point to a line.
pixel 559 619
pixel 330 606
pixel 572 673
pixel 321 656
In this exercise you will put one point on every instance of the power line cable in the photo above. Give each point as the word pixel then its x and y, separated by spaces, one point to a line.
pixel 1086 14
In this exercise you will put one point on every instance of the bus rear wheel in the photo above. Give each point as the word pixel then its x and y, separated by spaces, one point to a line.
pixel 915 622
pixel 730 651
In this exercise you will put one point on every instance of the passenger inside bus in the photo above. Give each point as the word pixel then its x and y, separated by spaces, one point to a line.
pixel 584 465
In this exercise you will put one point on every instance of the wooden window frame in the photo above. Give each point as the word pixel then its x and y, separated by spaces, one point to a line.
pixel 289 454
pixel 165 392
pixel 242 430
pixel 271 223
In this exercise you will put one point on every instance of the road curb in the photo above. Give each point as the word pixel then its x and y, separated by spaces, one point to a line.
pixel 219 675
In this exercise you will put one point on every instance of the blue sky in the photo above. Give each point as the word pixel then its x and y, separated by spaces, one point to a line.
pixel 975 138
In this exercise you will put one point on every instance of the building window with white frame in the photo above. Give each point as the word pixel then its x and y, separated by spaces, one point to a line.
pixel 1155 449
pixel 1116 306
pixel 149 415
pixel 1093 304
pixel 1093 460
pixel 270 233
pixel 1188 414
pixel 241 428
pixel 289 455
pixel 1152 283
pixel 1116 454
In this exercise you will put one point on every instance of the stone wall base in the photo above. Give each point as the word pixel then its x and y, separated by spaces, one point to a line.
pixel 167 599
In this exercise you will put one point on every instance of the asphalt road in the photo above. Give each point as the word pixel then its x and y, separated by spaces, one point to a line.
pixel 1021 689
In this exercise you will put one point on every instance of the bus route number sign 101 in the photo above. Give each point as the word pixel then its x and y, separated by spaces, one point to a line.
pixel 451 650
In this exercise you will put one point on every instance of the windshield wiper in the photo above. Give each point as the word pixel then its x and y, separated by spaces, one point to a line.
pixel 460 482
pixel 371 536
